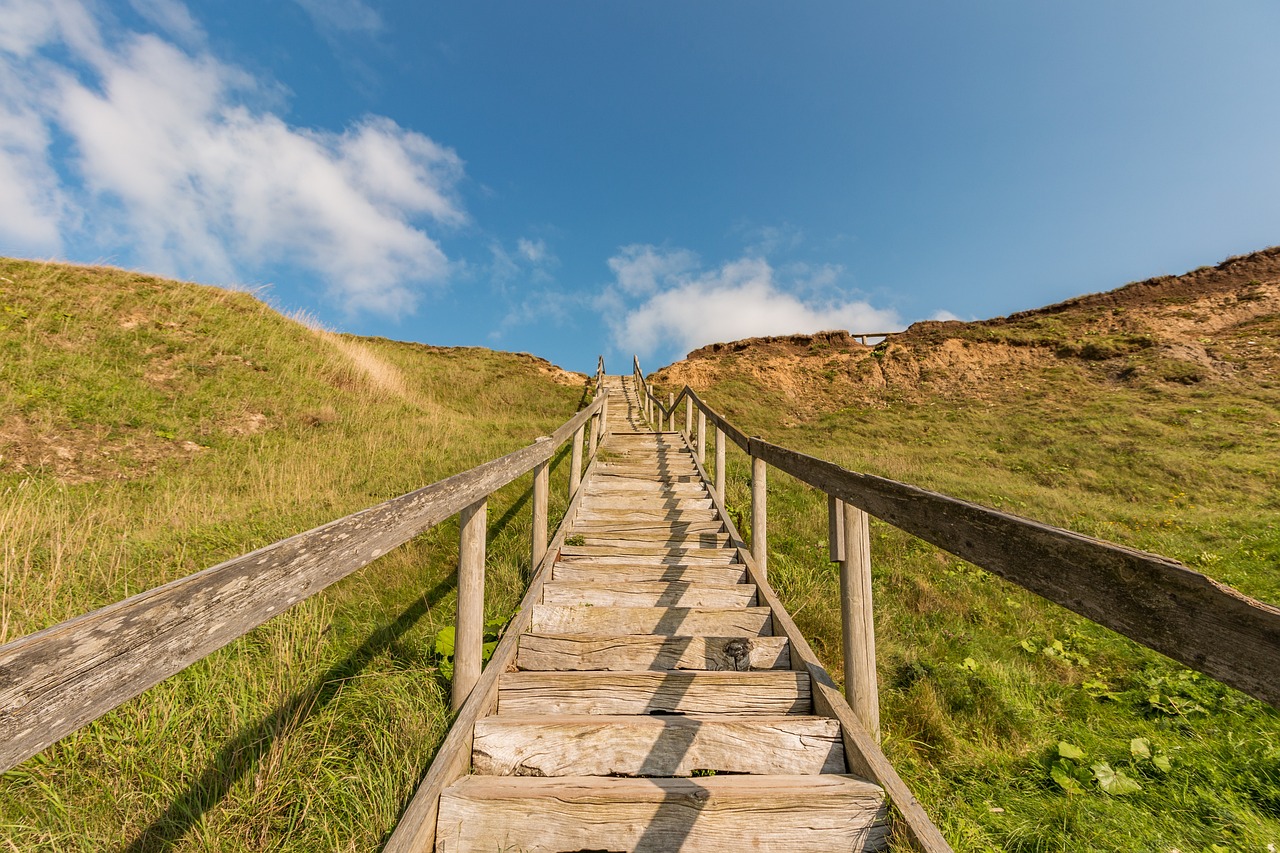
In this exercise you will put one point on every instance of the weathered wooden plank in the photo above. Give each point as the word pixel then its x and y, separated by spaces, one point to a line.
pixel 416 828
pixel 862 753
pixel 601 745
pixel 658 540
pixel 623 527
pixel 56 680
pixel 640 652
pixel 698 573
pixel 648 594
pixel 655 503
pixel 1151 599
pixel 681 621
pixel 720 814
pixel 624 555
pixel 768 692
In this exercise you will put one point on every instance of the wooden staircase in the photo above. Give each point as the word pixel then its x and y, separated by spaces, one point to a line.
pixel 651 707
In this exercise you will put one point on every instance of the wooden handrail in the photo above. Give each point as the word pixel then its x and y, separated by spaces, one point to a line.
pixel 61 678
pixel 1153 600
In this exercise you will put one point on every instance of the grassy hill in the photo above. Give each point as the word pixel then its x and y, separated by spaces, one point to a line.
pixel 1147 416
pixel 151 428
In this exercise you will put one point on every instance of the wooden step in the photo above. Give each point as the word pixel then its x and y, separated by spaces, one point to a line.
pixel 657 540
pixel 603 745
pixel 771 692
pixel 671 515
pixel 710 573
pixel 648 594
pixel 651 504
pixel 618 486
pixel 675 555
pixel 641 652
pixel 671 621
pixel 622 528
pixel 798 814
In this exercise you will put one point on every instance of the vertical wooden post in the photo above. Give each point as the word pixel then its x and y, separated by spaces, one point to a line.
pixel 575 462
pixel 541 493
pixel 858 634
pixel 604 421
pixel 702 437
pixel 671 405
pixel 468 636
pixel 688 419
pixel 720 464
pixel 595 436
pixel 759 515
pixel 835 529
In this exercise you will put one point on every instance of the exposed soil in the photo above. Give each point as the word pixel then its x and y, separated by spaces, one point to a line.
pixel 1214 323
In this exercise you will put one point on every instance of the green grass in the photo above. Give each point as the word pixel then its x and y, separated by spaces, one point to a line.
pixel 151 429
pixel 980 680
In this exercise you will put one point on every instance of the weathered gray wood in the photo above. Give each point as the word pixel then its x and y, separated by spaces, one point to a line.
pixel 688 419
pixel 57 680
pixel 702 436
pixel 654 503
pixel 594 440
pixel 648 594
pixel 674 553
pixel 862 752
pixel 469 630
pixel 601 745
pixel 575 463
pixel 835 529
pixel 769 692
pixel 676 621
pixel 639 652
pixel 719 484
pixel 719 814
pixel 416 829
pixel 858 635
pixel 657 540
pixel 663 527
pixel 759 515
pixel 671 408
pixel 541 496
pixel 1156 601
pixel 697 573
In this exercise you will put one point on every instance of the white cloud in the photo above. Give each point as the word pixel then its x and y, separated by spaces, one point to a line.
pixel 685 306
pixel 203 185
pixel 343 16
pixel 533 251
pixel 944 315
pixel 172 17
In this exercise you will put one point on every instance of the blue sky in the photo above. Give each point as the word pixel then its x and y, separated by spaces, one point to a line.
pixel 571 178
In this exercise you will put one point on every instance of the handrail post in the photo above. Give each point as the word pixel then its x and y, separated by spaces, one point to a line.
pixel 671 410
pixel 702 437
pixel 595 436
pixel 688 419
pixel 720 464
pixel 858 635
pixel 468 636
pixel 575 462
pixel 835 529
pixel 759 513
pixel 541 494
pixel 604 422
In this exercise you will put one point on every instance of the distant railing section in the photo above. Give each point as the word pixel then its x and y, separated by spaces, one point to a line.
pixel 64 677
pixel 1151 599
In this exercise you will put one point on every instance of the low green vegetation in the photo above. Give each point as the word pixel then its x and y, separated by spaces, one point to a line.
pixel 151 429
pixel 1020 726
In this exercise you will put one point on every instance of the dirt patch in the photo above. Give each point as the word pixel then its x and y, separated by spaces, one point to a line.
pixel 555 373
pixel 84 455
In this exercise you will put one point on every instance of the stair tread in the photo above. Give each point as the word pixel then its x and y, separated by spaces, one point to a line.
pixel 684 691
pixel 674 621
pixel 589 652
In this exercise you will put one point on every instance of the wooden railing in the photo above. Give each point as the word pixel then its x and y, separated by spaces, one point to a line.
pixel 1158 602
pixel 64 677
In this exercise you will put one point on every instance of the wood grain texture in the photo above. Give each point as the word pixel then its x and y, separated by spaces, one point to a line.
pixel 625 527
pixel 911 824
pixel 415 832
pixel 671 554
pixel 690 573
pixel 673 621
pixel 648 594
pixel 1156 601
pixel 601 745
pixel 644 652
pixel 57 680
pixel 799 814
pixel 658 540
pixel 767 692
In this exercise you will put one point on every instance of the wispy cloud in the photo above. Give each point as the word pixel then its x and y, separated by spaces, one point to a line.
pixel 343 16
pixel 172 162
pixel 665 302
